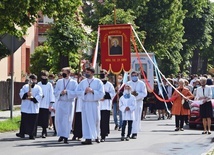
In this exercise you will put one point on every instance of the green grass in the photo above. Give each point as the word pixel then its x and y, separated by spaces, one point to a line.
pixel 10 124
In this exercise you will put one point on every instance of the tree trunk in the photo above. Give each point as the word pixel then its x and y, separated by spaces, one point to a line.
pixel 204 66
pixel 194 67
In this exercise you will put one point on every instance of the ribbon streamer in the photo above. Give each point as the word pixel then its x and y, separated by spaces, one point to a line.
pixel 94 62
pixel 171 99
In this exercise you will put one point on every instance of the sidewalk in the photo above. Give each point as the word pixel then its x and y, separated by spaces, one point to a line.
pixel 4 115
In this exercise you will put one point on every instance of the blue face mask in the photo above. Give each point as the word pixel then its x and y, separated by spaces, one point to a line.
pixel 87 75
pixel 126 96
pixel 134 78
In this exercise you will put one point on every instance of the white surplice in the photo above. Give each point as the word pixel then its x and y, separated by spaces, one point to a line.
pixel 140 87
pixel 48 95
pixel 127 102
pixel 64 106
pixel 90 106
pixel 28 106
pixel 107 103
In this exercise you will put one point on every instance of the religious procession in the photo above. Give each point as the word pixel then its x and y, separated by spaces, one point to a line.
pixel 81 103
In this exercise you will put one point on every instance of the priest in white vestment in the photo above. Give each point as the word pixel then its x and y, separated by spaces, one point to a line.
pixel 65 94
pixel 90 90
pixel 140 92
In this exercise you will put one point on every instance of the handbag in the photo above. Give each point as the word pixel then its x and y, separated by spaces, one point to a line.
pixel 186 105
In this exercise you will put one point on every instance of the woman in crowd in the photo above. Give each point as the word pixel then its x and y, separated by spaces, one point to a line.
pixel 177 107
pixel 204 94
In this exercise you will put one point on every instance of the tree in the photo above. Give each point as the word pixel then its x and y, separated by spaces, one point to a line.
pixel 23 14
pixel 40 60
pixel 164 32
pixel 207 54
pixel 66 38
pixel 197 31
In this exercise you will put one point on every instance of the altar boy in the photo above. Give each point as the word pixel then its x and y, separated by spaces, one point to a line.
pixel 127 105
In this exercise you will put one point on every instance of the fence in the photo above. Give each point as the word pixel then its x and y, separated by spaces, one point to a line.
pixel 5 94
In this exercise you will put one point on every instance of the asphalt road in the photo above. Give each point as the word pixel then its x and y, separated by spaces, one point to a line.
pixel 156 138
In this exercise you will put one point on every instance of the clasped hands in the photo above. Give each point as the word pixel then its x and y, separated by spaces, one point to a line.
pixel 134 93
pixel 89 90
pixel 64 92
pixel 127 109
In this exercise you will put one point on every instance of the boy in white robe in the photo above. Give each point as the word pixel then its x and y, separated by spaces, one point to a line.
pixel 106 105
pixel 48 99
pixel 90 90
pixel 31 95
pixel 139 91
pixel 127 105
pixel 65 94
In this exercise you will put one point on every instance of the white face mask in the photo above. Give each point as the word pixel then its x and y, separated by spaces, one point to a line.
pixel 126 91
pixel 119 81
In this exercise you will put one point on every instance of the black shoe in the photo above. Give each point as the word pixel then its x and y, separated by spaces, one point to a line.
pixel 87 142
pixel 102 140
pixel 204 132
pixel 43 135
pixel 116 127
pixel 119 129
pixel 122 138
pixel 127 138
pixel 74 138
pixel 208 132
pixel 60 139
pixel 159 118
pixel 134 137
pixel 66 140
pixel 32 137
pixel 20 135
pixel 97 140
pixel 177 129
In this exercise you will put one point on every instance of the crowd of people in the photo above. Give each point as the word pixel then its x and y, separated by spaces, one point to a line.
pixel 83 104
pixel 187 89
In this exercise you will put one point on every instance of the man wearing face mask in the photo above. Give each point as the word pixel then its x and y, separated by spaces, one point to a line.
pixel 105 105
pixel 65 94
pixel 48 99
pixel 31 95
pixel 51 79
pixel 140 92
pixel 91 91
